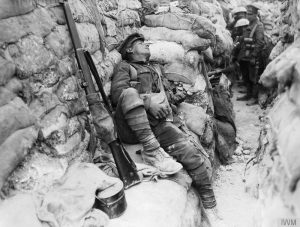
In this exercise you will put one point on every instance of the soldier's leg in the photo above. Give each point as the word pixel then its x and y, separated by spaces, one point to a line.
pixel 253 84
pixel 174 141
pixel 244 66
pixel 133 127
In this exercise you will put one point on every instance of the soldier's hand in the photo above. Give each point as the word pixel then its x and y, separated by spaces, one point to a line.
pixel 159 111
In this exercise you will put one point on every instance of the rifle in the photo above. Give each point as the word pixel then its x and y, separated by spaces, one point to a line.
pixel 228 69
pixel 102 115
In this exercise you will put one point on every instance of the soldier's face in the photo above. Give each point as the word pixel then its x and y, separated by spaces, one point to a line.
pixel 140 48
pixel 251 16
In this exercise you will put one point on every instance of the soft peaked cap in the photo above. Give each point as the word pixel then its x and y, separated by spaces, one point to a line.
pixel 127 43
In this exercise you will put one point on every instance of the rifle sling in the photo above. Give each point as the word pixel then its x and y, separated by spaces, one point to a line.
pixel 96 76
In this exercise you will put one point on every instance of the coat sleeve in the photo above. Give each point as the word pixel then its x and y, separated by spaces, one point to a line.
pixel 259 40
pixel 120 81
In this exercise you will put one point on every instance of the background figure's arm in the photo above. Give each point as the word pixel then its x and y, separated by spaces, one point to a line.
pixel 259 40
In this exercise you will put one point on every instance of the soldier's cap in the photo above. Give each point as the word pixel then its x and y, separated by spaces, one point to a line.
pixel 239 9
pixel 127 43
pixel 241 22
pixel 253 7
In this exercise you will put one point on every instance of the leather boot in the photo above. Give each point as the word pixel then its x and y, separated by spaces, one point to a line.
pixel 162 161
pixel 152 153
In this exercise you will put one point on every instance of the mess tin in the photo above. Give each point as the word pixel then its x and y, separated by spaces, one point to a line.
pixel 111 201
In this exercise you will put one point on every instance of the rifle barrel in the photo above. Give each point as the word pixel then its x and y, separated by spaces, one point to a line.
pixel 79 52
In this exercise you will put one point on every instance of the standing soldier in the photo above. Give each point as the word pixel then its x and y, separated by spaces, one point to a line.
pixel 237 13
pixel 249 55
pixel 240 28
pixel 143 115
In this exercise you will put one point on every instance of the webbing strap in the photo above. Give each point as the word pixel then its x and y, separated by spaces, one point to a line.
pixel 133 73
pixel 253 31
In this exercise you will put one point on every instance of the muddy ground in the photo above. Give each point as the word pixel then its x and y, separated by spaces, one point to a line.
pixel 235 205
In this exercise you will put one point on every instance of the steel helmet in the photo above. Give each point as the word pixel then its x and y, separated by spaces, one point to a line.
pixel 240 9
pixel 241 22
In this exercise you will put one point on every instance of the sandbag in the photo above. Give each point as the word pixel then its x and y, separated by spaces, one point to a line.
pixel 225 140
pixel 180 72
pixel 6 96
pixel 128 4
pixel 224 42
pixel 283 69
pixel 219 20
pixel 186 38
pixel 278 49
pixel 195 117
pixel 19 211
pixel 10 91
pixel 166 52
pixel 198 24
pixel 224 122
pixel 164 2
pixel 150 6
pixel 14 149
pixel 70 201
pixel 200 8
pixel 14 116
pixel 223 106
pixel 7 71
pixel 209 8
pixel 128 17
pixel 186 70
pixel 15 8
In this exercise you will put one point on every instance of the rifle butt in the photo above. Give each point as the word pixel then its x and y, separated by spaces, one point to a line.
pixel 126 167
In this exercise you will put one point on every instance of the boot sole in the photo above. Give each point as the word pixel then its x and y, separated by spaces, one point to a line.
pixel 170 173
pixel 164 172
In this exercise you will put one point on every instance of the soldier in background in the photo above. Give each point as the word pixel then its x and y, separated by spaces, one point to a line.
pixel 249 54
pixel 240 28
pixel 237 14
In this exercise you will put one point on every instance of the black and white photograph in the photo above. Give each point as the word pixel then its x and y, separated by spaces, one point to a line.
pixel 149 113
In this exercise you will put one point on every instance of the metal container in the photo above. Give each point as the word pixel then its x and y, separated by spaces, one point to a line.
pixel 112 203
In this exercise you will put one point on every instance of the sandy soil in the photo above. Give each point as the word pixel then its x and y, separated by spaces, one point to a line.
pixel 235 205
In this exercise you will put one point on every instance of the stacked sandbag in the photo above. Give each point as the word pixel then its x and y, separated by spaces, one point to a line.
pixel 44 124
pixel 224 119
pixel 198 24
pixel 120 19
pixel 176 41
pixel 213 11
pixel 201 125
pixel 188 39
pixel 280 24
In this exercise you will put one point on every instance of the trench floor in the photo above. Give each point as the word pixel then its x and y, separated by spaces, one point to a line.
pixel 236 206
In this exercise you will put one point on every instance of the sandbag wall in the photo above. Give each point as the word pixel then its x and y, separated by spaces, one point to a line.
pixel 42 106
pixel 44 124
pixel 274 179
pixel 285 28
pixel 179 38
